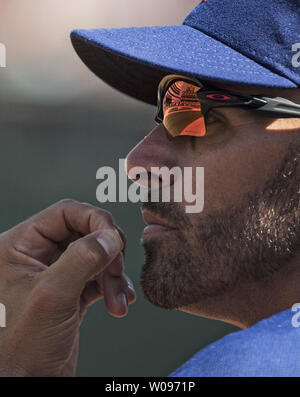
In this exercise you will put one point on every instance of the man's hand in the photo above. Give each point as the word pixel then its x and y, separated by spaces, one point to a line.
pixel 52 267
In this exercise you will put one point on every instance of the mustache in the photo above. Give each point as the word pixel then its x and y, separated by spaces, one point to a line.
pixel 170 211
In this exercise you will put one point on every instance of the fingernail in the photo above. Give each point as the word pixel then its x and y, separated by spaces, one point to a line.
pixel 110 241
pixel 129 282
pixel 122 298
pixel 131 295
pixel 131 287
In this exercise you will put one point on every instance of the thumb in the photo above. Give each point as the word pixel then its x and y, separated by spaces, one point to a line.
pixel 84 259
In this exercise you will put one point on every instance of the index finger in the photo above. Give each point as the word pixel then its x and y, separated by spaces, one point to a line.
pixel 67 219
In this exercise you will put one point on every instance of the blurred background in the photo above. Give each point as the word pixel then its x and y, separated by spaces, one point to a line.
pixel 58 125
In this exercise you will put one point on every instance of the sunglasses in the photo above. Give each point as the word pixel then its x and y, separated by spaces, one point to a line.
pixel 184 102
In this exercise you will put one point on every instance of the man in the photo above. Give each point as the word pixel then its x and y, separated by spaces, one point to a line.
pixel 230 64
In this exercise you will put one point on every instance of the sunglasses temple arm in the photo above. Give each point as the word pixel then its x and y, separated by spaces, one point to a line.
pixel 282 106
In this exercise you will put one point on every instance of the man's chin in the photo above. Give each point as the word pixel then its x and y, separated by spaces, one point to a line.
pixel 154 293
pixel 156 275
pixel 163 280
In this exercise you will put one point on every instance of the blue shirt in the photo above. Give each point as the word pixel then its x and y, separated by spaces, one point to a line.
pixel 270 347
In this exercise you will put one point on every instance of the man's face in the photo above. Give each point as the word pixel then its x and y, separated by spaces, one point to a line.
pixel 249 227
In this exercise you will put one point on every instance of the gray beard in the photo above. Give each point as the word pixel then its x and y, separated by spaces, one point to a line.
pixel 210 257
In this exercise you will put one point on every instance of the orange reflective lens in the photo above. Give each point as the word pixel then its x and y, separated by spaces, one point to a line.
pixel 182 113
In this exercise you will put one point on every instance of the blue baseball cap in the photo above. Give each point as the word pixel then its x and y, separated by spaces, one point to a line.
pixel 247 42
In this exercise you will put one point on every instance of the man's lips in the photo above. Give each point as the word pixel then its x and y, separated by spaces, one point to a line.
pixel 155 223
pixel 152 219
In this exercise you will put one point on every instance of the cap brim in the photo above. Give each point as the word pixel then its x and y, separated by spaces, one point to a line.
pixel 134 60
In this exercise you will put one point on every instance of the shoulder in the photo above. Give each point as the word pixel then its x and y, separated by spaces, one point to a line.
pixel 269 348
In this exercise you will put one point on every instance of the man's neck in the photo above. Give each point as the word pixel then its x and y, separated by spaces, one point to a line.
pixel 251 302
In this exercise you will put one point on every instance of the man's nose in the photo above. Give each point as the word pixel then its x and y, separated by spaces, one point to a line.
pixel 156 150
